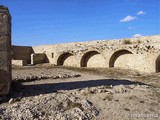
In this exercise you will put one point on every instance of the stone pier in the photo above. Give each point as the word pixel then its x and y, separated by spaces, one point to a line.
pixel 5 50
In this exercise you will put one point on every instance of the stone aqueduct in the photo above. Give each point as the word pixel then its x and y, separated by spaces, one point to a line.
pixel 141 54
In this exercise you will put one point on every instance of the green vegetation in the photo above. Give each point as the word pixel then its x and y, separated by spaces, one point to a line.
pixel 127 41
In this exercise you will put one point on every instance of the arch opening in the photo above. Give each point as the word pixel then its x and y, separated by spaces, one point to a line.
pixel 122 59
pixel 93 59
pixel 67 59
pixel 158 64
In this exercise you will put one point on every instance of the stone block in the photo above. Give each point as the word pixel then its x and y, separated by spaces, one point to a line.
pixel 19 62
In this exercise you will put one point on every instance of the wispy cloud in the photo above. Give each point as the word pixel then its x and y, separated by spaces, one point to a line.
pixel 128 18
pixel 137 35
pixel 140 13
pixel 131 28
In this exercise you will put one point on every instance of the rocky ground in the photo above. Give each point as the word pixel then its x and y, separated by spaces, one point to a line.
pixel 55 93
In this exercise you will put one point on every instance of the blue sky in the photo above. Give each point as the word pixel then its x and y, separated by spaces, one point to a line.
pixel 37 22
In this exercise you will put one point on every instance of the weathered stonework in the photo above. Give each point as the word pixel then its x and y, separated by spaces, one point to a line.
pixel 5 50
pixel 139 54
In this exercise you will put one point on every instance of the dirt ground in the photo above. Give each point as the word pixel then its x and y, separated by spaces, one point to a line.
pixel 46 92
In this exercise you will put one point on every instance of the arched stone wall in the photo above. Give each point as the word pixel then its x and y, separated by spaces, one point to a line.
pixel 67 59
pixel 140 55
pixel 122 59
pixel 93 59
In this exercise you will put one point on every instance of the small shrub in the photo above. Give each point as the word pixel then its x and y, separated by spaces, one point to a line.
pixel 126 109
pixel 117 100
pixel 127 41
pixel 72 105
pixel 139 41
pixel 108 97
pixel 138 74
pixel 141 101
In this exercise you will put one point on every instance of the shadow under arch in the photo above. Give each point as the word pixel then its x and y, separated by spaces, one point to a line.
pixel 117 54
pixel 88 55
pixel 157 64
pixel 61 59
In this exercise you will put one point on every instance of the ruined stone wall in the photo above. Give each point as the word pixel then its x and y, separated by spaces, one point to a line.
pixel 139 54
pixel 131 53
pixel 5 50
pixel 22 53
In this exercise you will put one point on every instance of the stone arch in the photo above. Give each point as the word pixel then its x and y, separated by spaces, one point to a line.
pixel 93 59
pixel 67 59
pixel 121 58
pixel 158 64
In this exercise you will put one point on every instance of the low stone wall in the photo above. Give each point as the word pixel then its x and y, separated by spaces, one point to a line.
pixel 5 50
pixel 19 62
pixel 37 58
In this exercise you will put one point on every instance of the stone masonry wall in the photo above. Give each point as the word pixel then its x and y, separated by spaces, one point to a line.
pixel 22 53
pixel 5 50
pixel 139 54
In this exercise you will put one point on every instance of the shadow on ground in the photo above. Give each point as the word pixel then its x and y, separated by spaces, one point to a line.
pixel 19 90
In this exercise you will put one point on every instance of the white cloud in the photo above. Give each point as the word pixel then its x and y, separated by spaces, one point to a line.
pixel 131 28
pixel 128 18
pixel 140 12
pixel 137 35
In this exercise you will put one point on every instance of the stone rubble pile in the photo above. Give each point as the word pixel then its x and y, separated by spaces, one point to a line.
pixel 49 107
pixel 33 77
